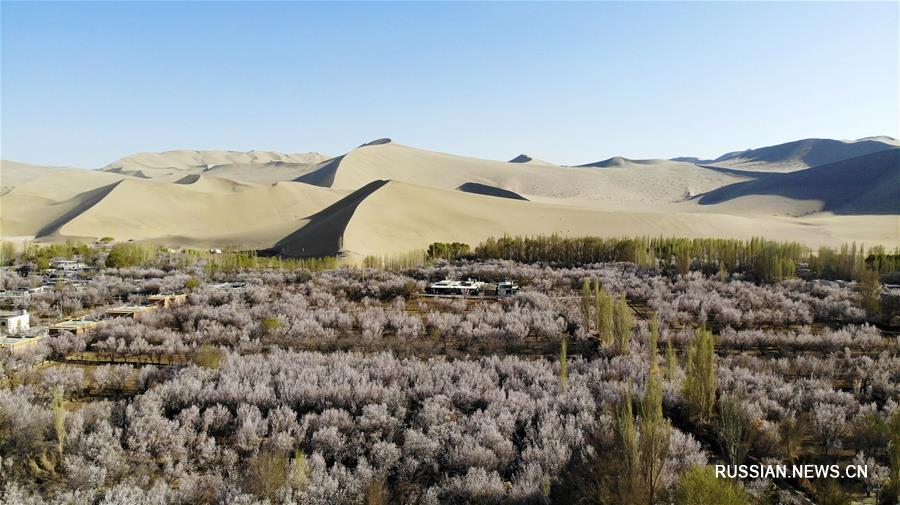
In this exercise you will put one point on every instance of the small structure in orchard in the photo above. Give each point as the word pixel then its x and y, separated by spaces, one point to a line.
pixel 13 322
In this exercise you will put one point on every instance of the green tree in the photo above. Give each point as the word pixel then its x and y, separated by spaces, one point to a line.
pixel 699 486
pixel 301 469
pixel 622 326
pixel 626 439
pixel 586 305
pixel 700 383
pixel 267 472
pixel 734 429
pixel 655 430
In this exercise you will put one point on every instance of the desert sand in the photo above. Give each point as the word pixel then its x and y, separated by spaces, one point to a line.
pixel 386 198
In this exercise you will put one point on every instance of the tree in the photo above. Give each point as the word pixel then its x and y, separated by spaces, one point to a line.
pixel 655 430
pixel 622 326
pixel 733 428
pixel 626 438
pixel 586 305
pixel 58 407
pixel 699 486
pixel 301 469
pixel 700 383
pixel 671 360
pixel 870 292
pixel 604 314
pixel 266 473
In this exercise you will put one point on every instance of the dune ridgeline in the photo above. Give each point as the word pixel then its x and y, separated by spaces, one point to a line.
pixel 386 198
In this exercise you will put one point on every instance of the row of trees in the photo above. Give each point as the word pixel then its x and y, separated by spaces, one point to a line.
pixel 764 260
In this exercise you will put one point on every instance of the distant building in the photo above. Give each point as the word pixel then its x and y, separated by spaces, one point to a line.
pixel 507 288
pixel 19 344
pixel 447 287
pixel 67 265
pixel 76 326
pixel 166 301
pixel 15 322
pixel 132 311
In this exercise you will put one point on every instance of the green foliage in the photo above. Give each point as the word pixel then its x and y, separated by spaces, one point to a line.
pixel 671 360
pixel 604 313
pixel 410 259
pixel 301 469
pixel 7 253
pixel 700 383
pixel 655 430
pixel 267 472
pixel 586 305
pixel 271 324
pixel 734 429
pixel 622 321
pixel 447 250
pixel 764 260
pixel 129 254
pixel 192 283
pixel 106 240
pixel 699 486
pixel 207 356
pixel 870 293
pixel 626 439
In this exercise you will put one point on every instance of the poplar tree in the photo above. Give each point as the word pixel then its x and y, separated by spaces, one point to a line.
pixel 700 383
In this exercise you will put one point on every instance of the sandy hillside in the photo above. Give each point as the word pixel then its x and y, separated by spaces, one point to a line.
pixel 197 208
pixel 252 166
pixel 393 217
pixel 660 182
pixel 868 184
pixel 384 198
pixel 802 154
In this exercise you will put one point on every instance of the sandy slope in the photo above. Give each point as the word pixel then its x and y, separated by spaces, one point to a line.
pixel 868 184
pixel 659 182
pixel 394 217
pixel 386 198
pixel 802 154
pixel 252 166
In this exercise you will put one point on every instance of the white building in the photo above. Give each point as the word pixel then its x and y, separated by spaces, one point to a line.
pixel 14 322
pixel 67 265
pixel 447 287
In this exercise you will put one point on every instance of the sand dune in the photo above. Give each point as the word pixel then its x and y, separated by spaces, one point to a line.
pixel 802 154
pixel 385 197
pixel 394 217
pixel 868 184
pixel 663 181
pixel 252 166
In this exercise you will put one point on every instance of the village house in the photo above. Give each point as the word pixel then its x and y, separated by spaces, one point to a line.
pixel 167 301
pixel 132 311
pixel 75 326
pixel 15 321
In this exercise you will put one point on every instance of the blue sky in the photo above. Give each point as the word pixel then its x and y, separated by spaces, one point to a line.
pixel 86 83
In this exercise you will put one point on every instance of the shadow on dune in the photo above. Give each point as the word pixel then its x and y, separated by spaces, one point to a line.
pixel 324 175
pixel 484 189
pixel 323 235
pixel 865 185
pixel 812 152
pixel 85 200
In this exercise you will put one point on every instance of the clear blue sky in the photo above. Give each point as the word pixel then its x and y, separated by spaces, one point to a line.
pixel 86 83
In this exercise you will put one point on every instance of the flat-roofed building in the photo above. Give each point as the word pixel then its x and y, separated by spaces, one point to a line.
pixel 166 301
pixel 132 311
pixel 76 326
pixel 19 344
pixel 13 322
